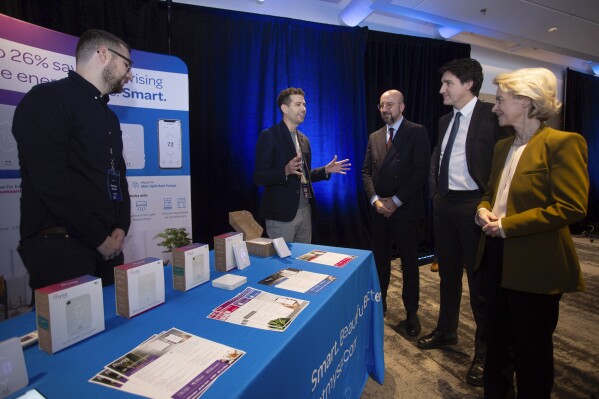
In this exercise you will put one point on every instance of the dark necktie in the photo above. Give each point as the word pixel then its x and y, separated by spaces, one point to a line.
pixel 390 141
pixel 444 168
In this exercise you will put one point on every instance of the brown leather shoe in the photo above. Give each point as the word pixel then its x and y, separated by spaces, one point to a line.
pixel 434 267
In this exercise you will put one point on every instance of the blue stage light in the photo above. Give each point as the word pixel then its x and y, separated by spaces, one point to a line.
pixel 448 31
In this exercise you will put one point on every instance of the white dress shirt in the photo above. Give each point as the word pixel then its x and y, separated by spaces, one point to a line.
pixel 459 177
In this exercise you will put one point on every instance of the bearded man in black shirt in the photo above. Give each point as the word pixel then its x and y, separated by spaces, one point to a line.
pixel 75 205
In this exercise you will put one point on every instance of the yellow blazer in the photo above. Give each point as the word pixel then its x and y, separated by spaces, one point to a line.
pixel 548 192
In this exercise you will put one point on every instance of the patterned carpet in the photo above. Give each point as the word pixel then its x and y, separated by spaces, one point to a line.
pixel 413 373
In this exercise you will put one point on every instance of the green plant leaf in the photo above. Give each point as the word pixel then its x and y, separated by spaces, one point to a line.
pixel 173 238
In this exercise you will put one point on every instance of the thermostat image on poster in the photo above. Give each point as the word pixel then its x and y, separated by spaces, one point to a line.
pixel 133 146
pixel 169 143
pixel 9 158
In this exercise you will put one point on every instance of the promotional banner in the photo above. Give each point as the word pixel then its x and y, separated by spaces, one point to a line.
pixel 154 113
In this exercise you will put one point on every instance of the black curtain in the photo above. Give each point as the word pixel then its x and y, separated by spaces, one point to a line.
pixel 135 21
pixel 238 63
pixel 581 115
pixel 410 65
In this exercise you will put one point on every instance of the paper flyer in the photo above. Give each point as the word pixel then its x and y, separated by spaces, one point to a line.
pixel 327 258
pixel 298 280
pixel 259 309
pixel 173 364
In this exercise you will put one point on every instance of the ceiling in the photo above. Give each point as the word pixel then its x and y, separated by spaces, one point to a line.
pixel 520 27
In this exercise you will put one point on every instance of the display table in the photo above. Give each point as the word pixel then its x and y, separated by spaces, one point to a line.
pixel 328 351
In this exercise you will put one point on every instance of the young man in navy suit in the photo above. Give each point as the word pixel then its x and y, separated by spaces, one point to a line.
pixel 467 136
pixel 283 167
pixel 395 173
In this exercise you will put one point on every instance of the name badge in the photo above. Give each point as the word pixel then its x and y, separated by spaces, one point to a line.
pixel 114 185
pixel 306 190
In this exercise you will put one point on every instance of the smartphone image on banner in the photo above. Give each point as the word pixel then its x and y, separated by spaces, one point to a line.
pixel 169 144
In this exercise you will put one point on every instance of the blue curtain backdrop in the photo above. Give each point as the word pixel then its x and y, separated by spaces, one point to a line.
pixel 245 61
pixel 581 115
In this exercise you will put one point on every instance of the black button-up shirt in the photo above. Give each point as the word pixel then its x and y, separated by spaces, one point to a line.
pixel 68 139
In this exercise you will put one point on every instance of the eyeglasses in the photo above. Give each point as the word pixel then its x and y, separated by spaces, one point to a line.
pixel 128 62
pixel 385 105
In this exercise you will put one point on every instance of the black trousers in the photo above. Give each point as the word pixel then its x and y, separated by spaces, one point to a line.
pixel 404 233
pixel 520 330
pixel 51 259
pixel 456 245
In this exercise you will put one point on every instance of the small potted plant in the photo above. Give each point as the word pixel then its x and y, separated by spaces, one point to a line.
pixel 173 238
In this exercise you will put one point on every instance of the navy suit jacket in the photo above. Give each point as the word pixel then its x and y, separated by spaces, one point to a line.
pixel 401 171
pixel 482 135
pixel 274 150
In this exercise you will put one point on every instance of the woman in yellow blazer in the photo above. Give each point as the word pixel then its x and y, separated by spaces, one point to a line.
pixel 538 186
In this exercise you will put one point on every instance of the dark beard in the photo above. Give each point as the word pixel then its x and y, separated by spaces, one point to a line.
pixel 112 82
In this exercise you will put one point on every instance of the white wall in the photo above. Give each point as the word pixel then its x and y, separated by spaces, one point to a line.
pixel 496 62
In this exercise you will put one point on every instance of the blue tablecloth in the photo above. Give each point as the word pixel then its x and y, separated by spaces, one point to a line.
pixel 329 350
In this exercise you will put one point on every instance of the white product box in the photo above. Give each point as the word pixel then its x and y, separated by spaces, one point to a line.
pixel 69 312
pixel 281 247
pixel 229 281
pixel 242 258
pixel 139 286
pixel 191 266
pixel 13 372
pixel 224 260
